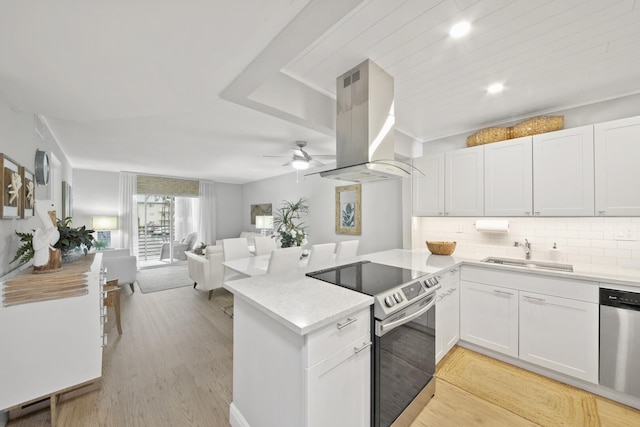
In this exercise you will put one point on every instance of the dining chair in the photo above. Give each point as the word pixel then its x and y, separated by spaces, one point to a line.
pixel 235 248
pixel 264 245
pixel 347 249
pixel 321 253
pixel 284 259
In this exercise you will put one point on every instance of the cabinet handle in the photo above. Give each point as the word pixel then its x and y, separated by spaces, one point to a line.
pixel 601 212
pixel 537 213
pixel 534 298
pixel 446 213
pixel 357 350
pixel 502 292
pixel 346 323
pixel 527 213
pixel 439 213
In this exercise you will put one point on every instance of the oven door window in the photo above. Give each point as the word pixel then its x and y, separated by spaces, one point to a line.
pixel 405 363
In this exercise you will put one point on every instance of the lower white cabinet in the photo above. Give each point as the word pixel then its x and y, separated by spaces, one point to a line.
pixel 339 387
pixel 560 334
pixel 489 317
pixel 550 321
pixel 281 378
pixel 447 313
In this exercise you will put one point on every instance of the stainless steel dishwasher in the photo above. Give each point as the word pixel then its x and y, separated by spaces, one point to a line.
pixel 620 340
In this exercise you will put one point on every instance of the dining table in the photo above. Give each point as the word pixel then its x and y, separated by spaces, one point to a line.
pixel 255 265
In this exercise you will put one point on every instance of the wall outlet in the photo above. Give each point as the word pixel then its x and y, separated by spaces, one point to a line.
pixel 459 228
pixel 626 232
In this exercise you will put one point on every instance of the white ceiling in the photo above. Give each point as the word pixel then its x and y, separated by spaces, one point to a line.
pixel 203 89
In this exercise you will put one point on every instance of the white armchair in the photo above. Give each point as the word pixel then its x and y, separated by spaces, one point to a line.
pixel 121 265
pixel 206 271
pixel 179 248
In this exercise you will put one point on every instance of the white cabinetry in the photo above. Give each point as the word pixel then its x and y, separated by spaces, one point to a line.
pixel 281 378
pixel 489 317
pixel 464 182
pixel 560 334
pixel 428 190
pixel 617 149
pixel 563 173
pixel 447 313
pixel 549 321
pixel 508 179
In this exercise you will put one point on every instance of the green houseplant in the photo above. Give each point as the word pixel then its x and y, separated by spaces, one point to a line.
pixel 286 221
pixel 70 239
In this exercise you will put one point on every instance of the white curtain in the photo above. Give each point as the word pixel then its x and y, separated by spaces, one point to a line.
pixel 128 212
pixel 186 218
pixel 207 217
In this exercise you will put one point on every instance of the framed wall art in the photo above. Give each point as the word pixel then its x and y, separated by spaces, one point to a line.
pixel 28 193
pixel 11 185
pixel 348 213
pixel 260 210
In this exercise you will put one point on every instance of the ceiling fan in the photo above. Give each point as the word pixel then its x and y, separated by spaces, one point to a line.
pixel 301 160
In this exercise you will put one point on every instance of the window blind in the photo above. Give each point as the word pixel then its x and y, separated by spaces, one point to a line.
pixel 149 184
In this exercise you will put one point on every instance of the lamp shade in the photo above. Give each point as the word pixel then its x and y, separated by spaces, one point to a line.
pixel 264 221
pixel 104 222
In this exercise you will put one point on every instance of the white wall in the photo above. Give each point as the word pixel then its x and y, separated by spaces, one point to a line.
pixel 95 193
pixel 19 141
pixel 229 208
pixel 381 208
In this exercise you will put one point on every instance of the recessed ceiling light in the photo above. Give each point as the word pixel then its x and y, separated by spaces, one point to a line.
pixel 495 88
pixel 460 29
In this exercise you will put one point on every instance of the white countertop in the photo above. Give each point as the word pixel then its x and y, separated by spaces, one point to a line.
pixel 304 304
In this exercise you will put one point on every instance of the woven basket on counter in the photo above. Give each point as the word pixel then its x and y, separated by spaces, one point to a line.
pixel 537 125
pixel 441 248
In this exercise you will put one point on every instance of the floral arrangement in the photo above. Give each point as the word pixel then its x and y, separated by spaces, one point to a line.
pixel 286 221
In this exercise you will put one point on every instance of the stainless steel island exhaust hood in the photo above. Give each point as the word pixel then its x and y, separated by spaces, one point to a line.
pixel 365 126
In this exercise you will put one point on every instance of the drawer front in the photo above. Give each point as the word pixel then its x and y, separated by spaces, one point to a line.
pixel 334 337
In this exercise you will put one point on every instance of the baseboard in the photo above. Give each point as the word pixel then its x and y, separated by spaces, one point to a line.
pixel 235 417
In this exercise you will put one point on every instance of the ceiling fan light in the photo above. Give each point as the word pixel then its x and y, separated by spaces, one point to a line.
pixel 300 164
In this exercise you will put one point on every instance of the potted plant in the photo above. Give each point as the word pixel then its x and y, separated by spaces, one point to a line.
pixel 290 232
pixel 70 239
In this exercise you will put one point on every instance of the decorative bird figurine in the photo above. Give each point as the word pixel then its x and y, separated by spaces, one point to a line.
pixel 44 238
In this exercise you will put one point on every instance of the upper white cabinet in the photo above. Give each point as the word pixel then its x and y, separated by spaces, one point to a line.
pixel 428 190
pixel 464 182
pixel 617 149
pixel 508 181
pixel 452 185
pixel 563 173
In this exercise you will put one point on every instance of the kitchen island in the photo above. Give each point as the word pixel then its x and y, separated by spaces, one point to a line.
pixel 287 341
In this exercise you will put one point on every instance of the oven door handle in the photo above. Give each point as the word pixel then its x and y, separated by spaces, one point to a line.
pixel 382 328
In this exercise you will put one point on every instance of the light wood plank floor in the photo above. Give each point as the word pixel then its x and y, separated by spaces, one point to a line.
pixel 173 367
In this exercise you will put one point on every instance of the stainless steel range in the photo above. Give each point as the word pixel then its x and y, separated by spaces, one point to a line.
pixel 403 331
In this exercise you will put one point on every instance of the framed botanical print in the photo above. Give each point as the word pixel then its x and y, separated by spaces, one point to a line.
pixel 260 210
pixel 348 213
pixel 28 193
pixel 11 185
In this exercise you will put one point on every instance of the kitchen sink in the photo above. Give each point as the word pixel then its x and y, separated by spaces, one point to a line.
pixel 535 265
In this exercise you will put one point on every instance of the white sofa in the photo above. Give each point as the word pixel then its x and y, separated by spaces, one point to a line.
pixel 206 270
pixel 250 235
pixel 121 265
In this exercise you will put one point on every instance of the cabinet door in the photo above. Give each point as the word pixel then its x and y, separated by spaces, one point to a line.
pixel 617 149
pixel 464 183
pixel 339 387
pixel 428 190
pixel 447 313
pixel 560 334
pixel 508 178
pixel 489 317
pixel 563 173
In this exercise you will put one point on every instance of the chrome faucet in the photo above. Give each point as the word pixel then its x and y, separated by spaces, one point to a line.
pixel 526 247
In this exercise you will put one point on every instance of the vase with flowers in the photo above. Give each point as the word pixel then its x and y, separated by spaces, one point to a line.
pixel 288 225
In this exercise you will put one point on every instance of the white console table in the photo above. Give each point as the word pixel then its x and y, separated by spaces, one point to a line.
pixel 51 347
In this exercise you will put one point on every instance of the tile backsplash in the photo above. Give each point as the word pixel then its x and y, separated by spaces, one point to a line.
pixel 589 240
